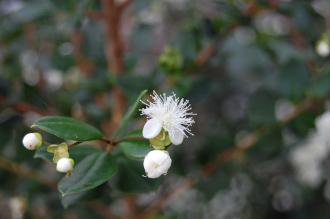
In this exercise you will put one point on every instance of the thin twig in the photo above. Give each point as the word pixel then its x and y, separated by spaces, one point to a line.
pixel 129 138
pixel 22 171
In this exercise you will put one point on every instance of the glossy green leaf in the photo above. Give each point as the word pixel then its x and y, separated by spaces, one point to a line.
pixel 135 149
pixel 131 177
pixel 95 169
pixel 71 199
pixel 67 128
pixel 129 114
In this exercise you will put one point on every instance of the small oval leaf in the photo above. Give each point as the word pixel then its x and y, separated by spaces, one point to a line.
pixel 67 128
pixel 91 172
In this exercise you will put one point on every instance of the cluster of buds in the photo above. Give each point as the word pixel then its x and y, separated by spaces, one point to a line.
pixel 64 163
pixel 168 122
pixel 171 60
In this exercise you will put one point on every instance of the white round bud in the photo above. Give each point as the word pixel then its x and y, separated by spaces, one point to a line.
pixel 32 141
pixel 323 48
pixel 157 163
pixel 64 165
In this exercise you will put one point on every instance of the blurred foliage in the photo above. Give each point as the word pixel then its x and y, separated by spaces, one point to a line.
pixel 245 65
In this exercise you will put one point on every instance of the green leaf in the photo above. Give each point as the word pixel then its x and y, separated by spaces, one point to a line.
pixel 91 172
pixel 79 152
pixel 135 149
pixel 68 128
pixel 71 199
pixel 293 79
pixel 129 114
pixel 131 177
pixel 43 154
pixel 320 87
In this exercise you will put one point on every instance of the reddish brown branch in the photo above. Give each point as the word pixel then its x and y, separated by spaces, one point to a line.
pixel 96 15
pixel 23 107
pixel 22 171
pixel 124 5
pixel 205 54
pixel 115 56
pixel 83 63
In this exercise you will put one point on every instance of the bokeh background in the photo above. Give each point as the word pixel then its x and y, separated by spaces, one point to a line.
pixel 257 73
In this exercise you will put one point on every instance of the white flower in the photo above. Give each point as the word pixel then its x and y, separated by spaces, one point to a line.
pixel 322 124
pixel 32 141
pixel 64 165
pixel 169 113
pixel 157 163
pixel 323 48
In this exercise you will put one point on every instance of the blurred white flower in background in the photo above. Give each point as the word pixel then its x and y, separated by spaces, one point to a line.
pixel 232 203
pixel 66 49
pixel 54 79
pixel 283 108
pixel 323 48
pixel 30 73
pixel 321 6
pixel 11 6
pixel 322 124
pixel 307 158
pixel 244 35
pixel 227 203
pixel 152 15
pixel 17 207
pixel 272 23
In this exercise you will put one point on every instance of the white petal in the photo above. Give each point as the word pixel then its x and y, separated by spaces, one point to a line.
pixel 176 137
pixel 152 128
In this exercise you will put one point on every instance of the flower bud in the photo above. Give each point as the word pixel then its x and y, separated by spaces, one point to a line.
pixel 323 48
pixel 64 165
pixel 32 141
pixel 157 163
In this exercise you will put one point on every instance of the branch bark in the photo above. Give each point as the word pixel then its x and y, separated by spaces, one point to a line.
pixel 115 57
